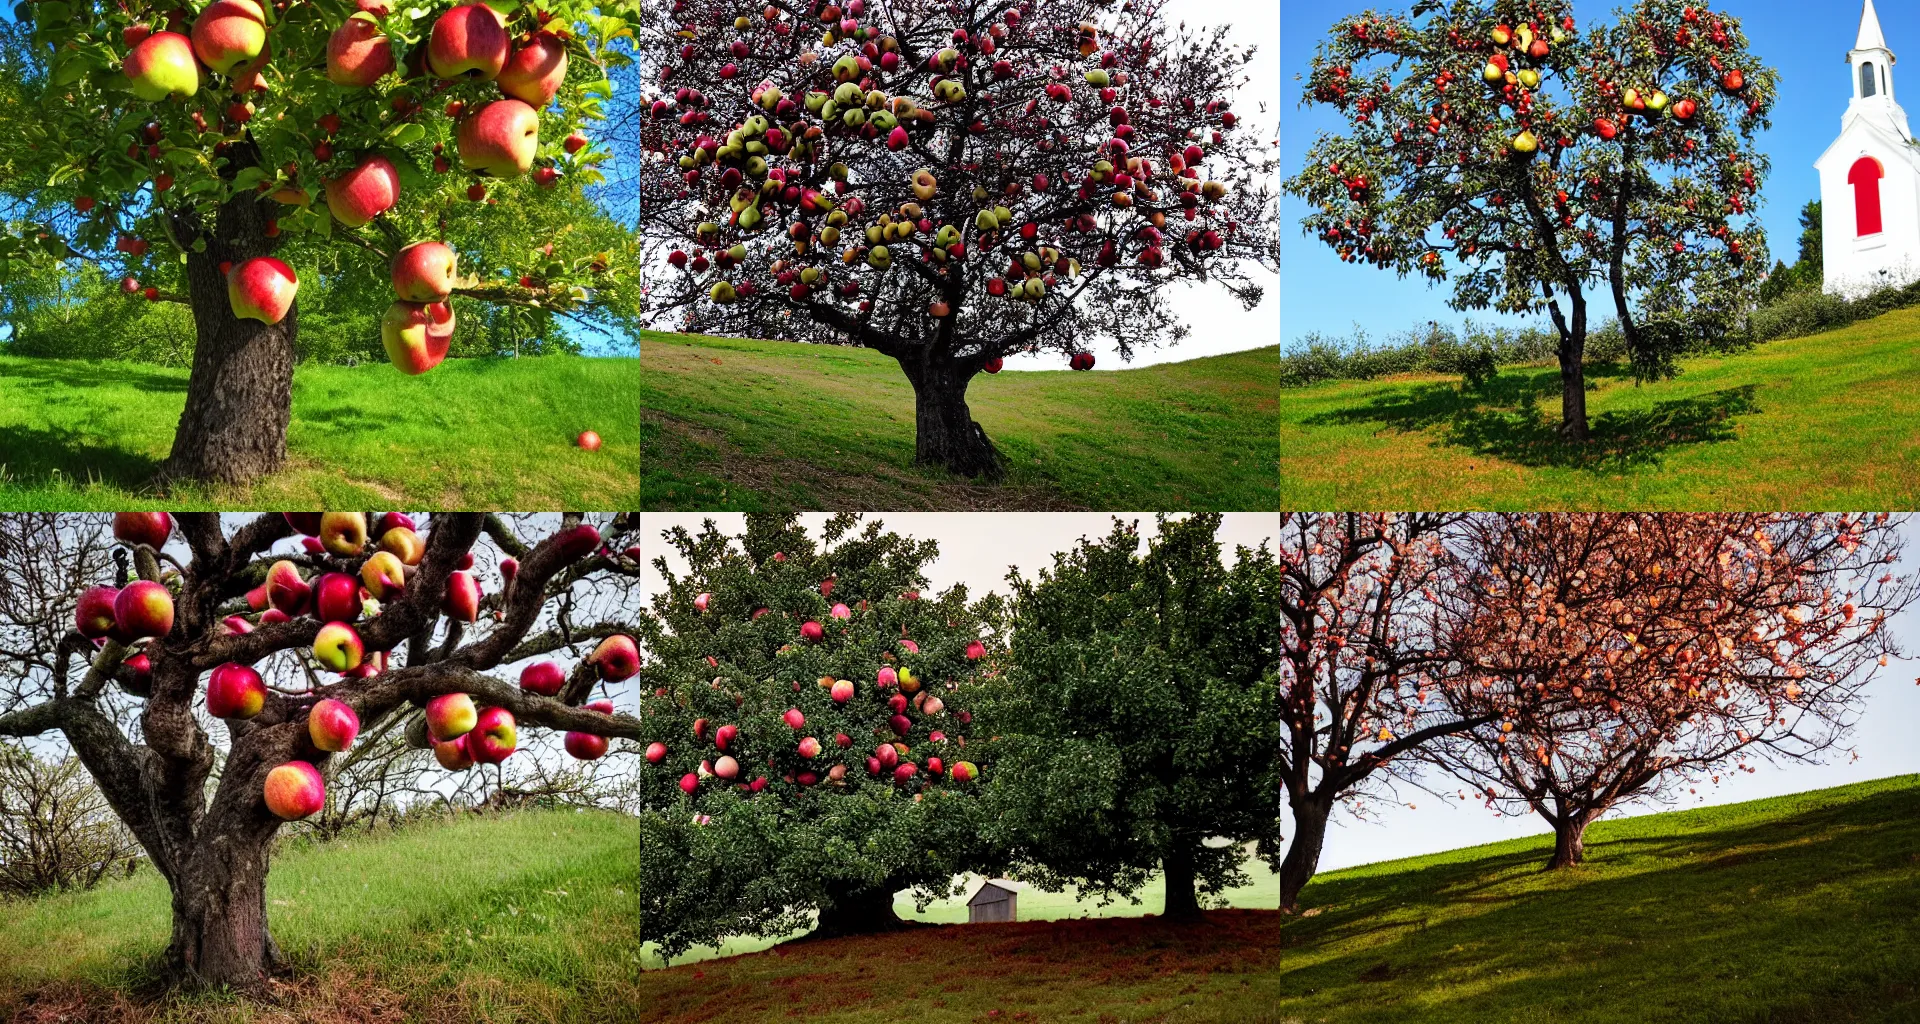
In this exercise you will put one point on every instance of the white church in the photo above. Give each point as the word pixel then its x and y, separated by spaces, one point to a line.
pixel 1870 179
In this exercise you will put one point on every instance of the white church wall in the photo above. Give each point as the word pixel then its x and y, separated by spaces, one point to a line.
pixel 1854 265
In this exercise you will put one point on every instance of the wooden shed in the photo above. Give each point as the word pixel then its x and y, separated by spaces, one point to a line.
pixel 997 899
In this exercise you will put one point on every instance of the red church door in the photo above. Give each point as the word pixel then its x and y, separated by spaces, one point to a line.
pixel 1865 178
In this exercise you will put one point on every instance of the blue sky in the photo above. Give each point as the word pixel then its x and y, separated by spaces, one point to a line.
pixel 1806 42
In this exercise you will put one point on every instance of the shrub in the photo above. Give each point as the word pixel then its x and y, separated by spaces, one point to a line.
pixel 56 831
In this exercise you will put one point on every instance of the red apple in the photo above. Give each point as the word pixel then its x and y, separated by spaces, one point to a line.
pixel 468 42
pixel 93 617
pixel 358 53
pixel 809 748
pixel 228 34
pixel 425 272
pixel 463 598
pixel 143 608
pixel 149 528
pixel 588 440
pixel 295 790
pixel 812 631
pixel 585 746
pixel 656 752
pixel 794 718
pixel 500 140
pixel 332 725
pixel 976 650
pixel 307 523
pixel 261 289
pixel 617 658
pixel 493 736
pixel 136 675
pixel 285 589
pixel 336 597
pixel 408 333
pixel 535 71
pixel 842 691
pixel 235 691
pixel 361 194
pixel 453 754
pixel 543 677
pixel 575 143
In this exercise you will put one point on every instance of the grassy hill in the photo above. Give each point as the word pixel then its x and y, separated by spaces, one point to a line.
pixel 1826 421
pixel 514 918
pixel 474 433
pixel 751 425
pixel 1797 909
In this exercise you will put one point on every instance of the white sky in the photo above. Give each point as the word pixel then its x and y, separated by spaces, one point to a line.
pixel 976 548
pixel 1219 323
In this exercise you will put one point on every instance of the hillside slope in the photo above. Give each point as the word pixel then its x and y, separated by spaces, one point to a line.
pixel 750 425
pixel 1827 421
pixel 509 919
pixel 474 433
pixel 1797 909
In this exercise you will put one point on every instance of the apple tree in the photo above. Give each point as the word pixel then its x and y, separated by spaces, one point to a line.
pixel 809 744
pixel 944 183
pixel 181 147
pixel 1141 715
pixel 1540 166
pixel 254 658
pixel 1673 648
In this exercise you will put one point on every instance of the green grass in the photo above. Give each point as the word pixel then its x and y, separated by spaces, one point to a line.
pixel 521 917
pixel 474 433
pixel 750 425
pixel 1827 421
pixel 1803 908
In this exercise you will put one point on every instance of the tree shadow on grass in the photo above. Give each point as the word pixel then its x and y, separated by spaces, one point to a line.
pixel 1515 417
pixel 34 457
pixel 79 373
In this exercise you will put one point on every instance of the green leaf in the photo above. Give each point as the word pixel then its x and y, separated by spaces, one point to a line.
pixel 406 134
pixel 54 11
pixel 248 178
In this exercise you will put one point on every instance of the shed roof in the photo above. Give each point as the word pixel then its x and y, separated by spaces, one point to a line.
pixel 995 890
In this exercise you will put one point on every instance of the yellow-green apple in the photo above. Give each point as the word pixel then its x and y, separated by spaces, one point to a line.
pixel 136 675
pixel 408 332
pixel 450 715
pixel 93 617
pixel 149 528
pixel 542 677
pixel 235 691
pixel 965 771
pixel 452 754
pixel 535 71
pixel 358 53
pixel 261 289
pixel 500 140
pixel 424 272
pixel 343 533
pixel 384 575
pixel 163 65
pixel 307 523
pixel 463 597
pixel 585 746
pixel 285 589
pixel 143 608
pixel 229 33
pixel 361 194
pixel 405 545
pixel 493 736
pixel 469 42
pixel 295 790
pixel 617 658
pixel 336 597
pixel 338 647
pixel 332 725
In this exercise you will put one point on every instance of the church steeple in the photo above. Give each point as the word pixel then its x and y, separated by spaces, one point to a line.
pixel 1871 67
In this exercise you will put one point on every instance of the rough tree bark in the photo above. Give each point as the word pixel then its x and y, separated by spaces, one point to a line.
pixel 1303 854
pixel 240 394
pixel 1182 900
pixel 1570 838
pixel 945 433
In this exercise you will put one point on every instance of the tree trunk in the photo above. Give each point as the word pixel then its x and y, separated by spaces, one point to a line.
pixel 240 394
pixel 1573 389
pixel 1182 902
pixel 220 918
pixel 861 912
pixel 945 433
pixel 1570 840
pixel 1303 855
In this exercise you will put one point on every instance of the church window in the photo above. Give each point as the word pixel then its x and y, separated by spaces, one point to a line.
pixel 1866 79
pixel 1865 178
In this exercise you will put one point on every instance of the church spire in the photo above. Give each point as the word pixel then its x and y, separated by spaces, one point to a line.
pixel 1870 37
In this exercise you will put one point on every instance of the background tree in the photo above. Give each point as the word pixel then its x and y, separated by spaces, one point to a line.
pixel 760 824
pixel 1671 647
pixel 180 164
pixel 1141 717
pixel 946 184
pixel 1497 145
pixel 432 636
pixel 55 830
